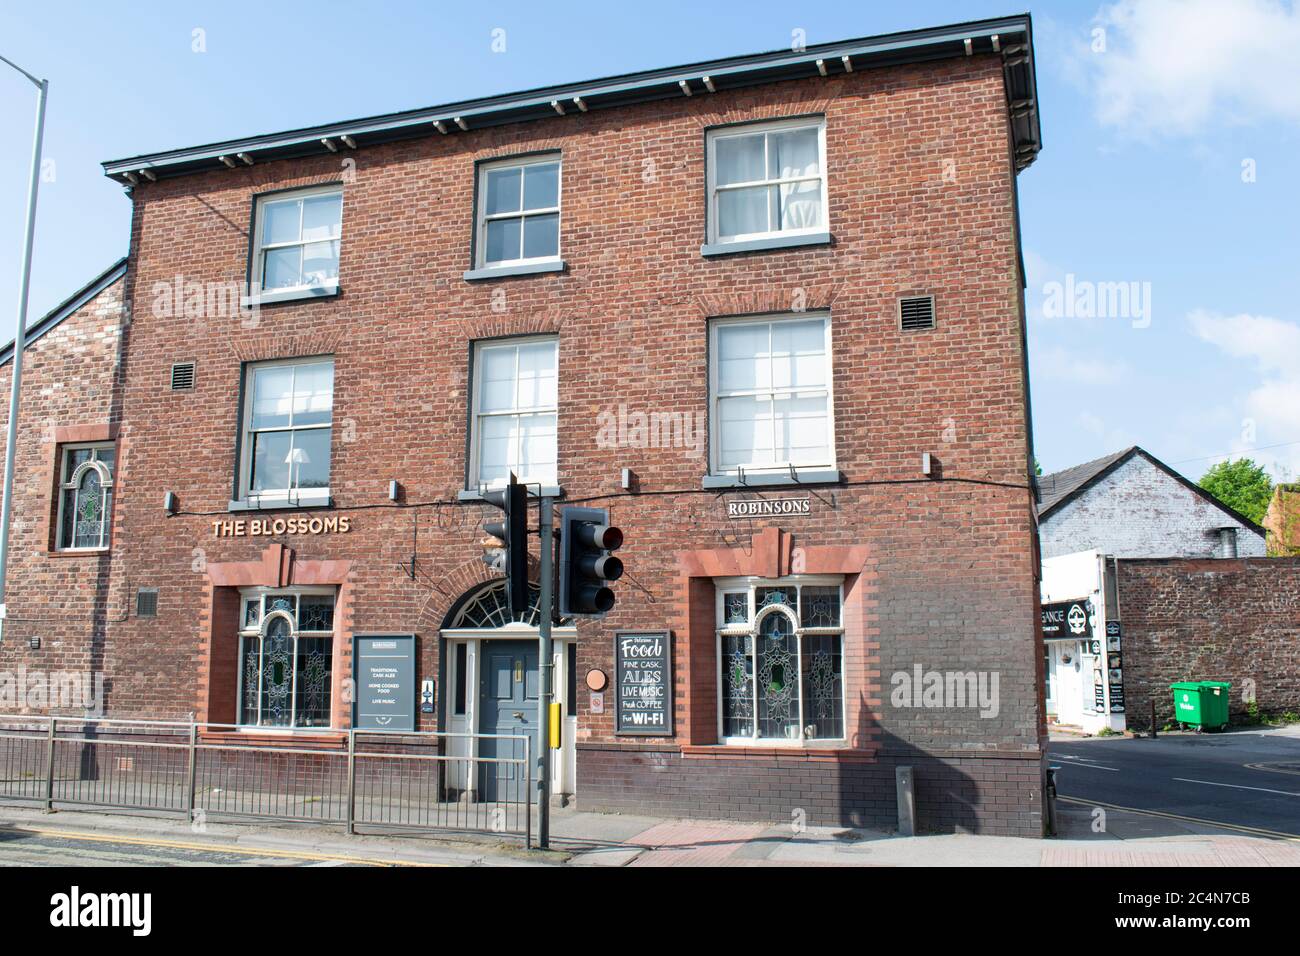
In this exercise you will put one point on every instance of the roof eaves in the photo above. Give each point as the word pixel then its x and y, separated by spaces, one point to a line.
pixel 985 36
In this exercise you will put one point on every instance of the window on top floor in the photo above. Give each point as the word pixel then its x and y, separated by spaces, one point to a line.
pixel 518 218
pixel 767 181
pixel 296 241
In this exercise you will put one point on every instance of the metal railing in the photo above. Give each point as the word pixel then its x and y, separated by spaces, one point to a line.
pixel 382 780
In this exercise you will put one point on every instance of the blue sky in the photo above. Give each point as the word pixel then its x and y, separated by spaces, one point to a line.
pixel 1171 163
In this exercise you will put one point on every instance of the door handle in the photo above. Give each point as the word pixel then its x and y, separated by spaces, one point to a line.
pixel 518 715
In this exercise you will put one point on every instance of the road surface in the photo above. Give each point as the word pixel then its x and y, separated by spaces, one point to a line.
pixel 1245 780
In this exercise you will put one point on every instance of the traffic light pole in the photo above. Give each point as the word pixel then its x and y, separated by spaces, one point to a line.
pixel 546 524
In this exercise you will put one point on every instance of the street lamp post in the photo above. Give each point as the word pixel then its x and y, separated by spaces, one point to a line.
pixel 20 335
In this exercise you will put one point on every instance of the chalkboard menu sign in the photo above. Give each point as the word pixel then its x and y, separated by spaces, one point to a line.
pixel 643 683
pixel 383 671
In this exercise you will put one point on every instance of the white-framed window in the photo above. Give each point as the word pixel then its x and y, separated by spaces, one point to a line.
pixel 296 241
pixel 514 411
pixel 767 180
pixel 519 212
pixel 780 659
pixel 771 402
pixel 85 496
pixel 286 655
pixel 287 429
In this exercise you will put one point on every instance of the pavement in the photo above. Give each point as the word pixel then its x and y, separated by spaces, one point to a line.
pixel 1161 823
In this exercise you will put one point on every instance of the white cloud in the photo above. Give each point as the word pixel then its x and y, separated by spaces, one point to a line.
pixel 1272 406
pixel 1178 66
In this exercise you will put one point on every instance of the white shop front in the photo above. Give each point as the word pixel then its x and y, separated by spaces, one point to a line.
pixel 1082 643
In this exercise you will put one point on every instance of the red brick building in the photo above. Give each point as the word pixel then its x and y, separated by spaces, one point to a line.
pixel 785 276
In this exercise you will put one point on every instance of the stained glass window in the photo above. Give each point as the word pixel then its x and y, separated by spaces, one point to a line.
pixel 85 497
pixel 784 678
pixel 286 663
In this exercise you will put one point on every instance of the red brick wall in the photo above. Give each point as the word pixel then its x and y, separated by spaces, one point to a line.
pixel 1186 619
pixel 921 201
pixel 70 394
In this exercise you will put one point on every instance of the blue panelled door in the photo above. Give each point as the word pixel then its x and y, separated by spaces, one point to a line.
pixel 508 688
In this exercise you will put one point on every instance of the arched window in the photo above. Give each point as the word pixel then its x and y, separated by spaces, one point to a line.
pixel 285 657
pixel 488 607
pixel 780 654
pixel 85 497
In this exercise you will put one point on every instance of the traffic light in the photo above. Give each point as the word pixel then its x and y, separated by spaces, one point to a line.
pixel 586 540
pixel 511 558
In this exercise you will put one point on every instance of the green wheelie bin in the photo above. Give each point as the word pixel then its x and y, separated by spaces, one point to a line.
pixel 1201 703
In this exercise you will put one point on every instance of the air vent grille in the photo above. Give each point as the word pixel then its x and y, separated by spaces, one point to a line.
pixel 916 313
pixel 146 602
pixel 182 376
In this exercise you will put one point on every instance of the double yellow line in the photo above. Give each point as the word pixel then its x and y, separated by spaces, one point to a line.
pixel 1253 831
pixel 210 847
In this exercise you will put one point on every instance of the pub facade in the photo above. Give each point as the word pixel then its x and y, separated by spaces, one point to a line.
pixel 766 310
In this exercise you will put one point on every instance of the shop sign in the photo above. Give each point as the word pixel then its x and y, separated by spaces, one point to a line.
pixel 642 683
pixel 768 507
pixel 383 672
pixel 1067 619
pixel 275 527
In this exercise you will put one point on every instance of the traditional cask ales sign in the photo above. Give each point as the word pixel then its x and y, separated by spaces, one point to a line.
pixel 274 527
pixel 383 673
pixel 643 700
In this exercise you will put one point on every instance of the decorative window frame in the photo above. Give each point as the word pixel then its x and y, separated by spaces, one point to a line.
pixel 257 296
pixel 474 486
pixel 258 631
pixel 750 585
pixel 772 239
pixel 779 472
pixel 247 499
pixel 62 486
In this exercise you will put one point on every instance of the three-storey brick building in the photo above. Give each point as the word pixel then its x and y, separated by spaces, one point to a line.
pixel 792 277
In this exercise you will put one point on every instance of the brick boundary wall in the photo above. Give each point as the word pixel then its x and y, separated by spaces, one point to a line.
pixel 1195 619
pixel 998 794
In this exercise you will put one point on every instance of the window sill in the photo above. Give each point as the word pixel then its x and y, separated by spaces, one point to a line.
pixel 283 503
pixel 526 269
pixel 77 552
pixel 761 245
pixel 821 476
pixel 327 291
pixel 548 491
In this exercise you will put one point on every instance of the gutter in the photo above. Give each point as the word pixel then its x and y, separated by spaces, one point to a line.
pixel 1010 37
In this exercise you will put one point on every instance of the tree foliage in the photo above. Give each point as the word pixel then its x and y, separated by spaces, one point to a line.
pixel 1242 485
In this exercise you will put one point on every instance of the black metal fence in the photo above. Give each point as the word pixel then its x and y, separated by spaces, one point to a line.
pixel 381 781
